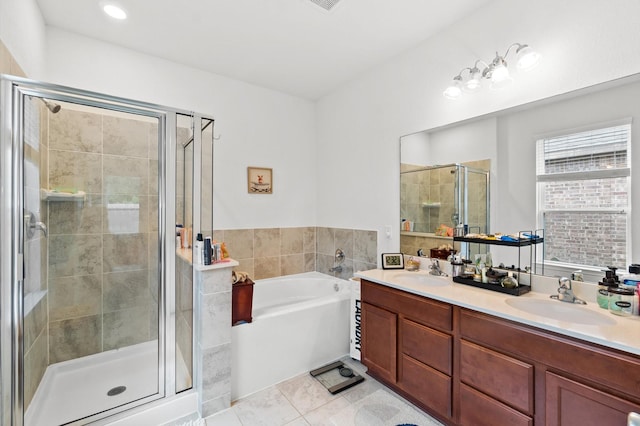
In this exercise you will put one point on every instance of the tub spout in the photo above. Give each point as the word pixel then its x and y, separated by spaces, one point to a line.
pixel 336 269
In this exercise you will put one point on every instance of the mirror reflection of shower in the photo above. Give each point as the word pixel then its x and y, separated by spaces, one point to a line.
pixel 447 195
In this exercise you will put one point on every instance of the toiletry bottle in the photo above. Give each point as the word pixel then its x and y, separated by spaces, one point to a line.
pixel 509 281
pixel 483 272
pixel 198 248
pixel 178 236
pixel 631 281
pixel 207 251
pixel 609 281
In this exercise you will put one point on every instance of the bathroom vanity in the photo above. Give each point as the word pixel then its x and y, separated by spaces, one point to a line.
pixel 467 356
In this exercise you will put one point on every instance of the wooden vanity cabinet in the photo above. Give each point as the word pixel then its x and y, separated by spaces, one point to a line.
pixel 419 362
pixel 575 382
pixel 469 368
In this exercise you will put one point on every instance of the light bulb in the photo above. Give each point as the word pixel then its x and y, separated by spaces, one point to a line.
pixel 500 73
pixel 114 11
pixel 455 90
pixel 474 81
pixel 527 58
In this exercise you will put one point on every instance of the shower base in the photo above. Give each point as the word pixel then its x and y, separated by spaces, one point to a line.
pixel 78 388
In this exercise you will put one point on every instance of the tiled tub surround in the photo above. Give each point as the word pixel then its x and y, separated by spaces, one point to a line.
pixel 103 278
pixel 272 252
pixel 213 336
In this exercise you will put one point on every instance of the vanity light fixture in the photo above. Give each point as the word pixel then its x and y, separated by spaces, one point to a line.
pixel 470 79
pixel 114 11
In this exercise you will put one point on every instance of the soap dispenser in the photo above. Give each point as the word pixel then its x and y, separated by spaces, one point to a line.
pixel 609 281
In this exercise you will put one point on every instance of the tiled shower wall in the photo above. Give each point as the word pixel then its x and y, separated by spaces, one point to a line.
pixel 272 252
pixel 103 251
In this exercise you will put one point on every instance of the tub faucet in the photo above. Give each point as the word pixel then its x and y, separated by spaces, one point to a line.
pixel 339 259
pixel 565 292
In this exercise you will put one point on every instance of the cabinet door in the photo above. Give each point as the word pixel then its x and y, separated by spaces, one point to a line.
pixel 571 403
pixel 379 342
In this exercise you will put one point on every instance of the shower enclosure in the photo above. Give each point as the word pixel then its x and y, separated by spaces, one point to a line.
pixel 96 317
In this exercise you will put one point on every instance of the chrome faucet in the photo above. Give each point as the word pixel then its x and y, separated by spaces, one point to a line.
pixel 565 292
pixel 339 259
pixel 434 269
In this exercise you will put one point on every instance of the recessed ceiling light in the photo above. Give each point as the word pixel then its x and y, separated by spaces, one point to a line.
pixel 114 11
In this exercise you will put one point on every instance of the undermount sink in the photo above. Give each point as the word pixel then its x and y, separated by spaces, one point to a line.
pixel 421 278
pixel 561 311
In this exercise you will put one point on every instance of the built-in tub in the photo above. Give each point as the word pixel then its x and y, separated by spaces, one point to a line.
pixel 300 322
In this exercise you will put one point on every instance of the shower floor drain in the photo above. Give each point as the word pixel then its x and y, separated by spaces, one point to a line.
pixel 117 390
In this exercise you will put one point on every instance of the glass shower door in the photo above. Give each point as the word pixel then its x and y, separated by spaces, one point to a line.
pixel 91 248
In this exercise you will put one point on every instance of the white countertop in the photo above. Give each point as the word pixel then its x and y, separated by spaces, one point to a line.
pixel 622 334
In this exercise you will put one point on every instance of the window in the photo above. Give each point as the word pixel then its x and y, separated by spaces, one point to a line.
pixel 583 184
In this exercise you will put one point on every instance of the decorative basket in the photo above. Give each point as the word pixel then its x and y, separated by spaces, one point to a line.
pixel 441 254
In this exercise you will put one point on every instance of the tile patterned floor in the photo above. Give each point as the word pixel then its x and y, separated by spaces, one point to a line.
pixel 303 401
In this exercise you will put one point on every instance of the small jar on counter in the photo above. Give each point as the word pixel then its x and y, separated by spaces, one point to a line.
pixel 621 301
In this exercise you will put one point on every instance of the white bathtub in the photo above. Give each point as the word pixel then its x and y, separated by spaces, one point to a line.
pixel 300 322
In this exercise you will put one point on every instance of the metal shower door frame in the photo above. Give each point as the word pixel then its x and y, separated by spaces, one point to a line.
pixel 12 92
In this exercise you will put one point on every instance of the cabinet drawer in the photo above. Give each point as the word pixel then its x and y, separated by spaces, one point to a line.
pixel 499 376
pixel 478 409
pixel 420 309
pixel 604 366
pixel 428 386
pixel 426 345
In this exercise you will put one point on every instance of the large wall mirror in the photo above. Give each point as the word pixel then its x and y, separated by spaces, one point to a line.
pixel 564 165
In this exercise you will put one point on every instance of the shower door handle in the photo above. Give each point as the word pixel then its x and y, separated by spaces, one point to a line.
pixel 31 225
pixel 40 226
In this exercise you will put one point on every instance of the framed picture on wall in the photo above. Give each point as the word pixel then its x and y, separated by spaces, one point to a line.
pixel 392 261
pixel 259 180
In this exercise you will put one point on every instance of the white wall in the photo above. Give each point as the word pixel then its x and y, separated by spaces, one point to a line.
pixel 258 127
pixel 583 43
pixel 415 149
pixel 357 127
pixel 22 31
